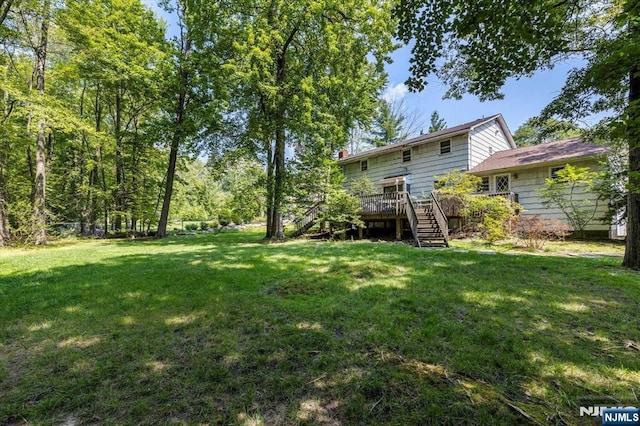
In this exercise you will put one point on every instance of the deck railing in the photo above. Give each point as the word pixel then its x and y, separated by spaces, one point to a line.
pixel 413 218
pixel 511 196
pixel 440 218
pixel 385 204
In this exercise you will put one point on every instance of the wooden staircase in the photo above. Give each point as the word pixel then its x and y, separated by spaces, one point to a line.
pixel 428 223
pixel 305 222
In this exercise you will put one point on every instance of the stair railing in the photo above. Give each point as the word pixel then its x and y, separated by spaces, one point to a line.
pixel 413 217
pixel 441 219
pixel 308 218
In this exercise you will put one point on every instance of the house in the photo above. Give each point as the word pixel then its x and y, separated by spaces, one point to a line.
pixel 404 176
pixel 411 165
pixel 523 171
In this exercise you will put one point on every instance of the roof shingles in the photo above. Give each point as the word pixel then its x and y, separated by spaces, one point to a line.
pixel 557 151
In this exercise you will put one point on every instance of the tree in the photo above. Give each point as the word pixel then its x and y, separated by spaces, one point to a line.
pixel 244 182
pixel 570 191
pixel 193 84
pixel 535 131
pixel 341 210
pixel 388 126
pixel 437 123
pixel 475 47
pixel 305 72
pixel 118 48
pixel 392 122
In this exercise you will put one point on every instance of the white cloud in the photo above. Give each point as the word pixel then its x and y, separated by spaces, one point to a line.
pixel 395 93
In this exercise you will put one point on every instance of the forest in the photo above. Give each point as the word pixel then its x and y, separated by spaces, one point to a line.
pixel 105 106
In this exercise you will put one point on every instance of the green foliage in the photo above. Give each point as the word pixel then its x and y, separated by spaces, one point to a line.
pixel 572 192
pixel 437 123
pixel 495 216
pixel 307 71
pixel 612 187
pixel 457 183
pixel 341 210
pixel 197 195
pixel 244 181
pixel 536 131
pixel 362 186
pixel 492 216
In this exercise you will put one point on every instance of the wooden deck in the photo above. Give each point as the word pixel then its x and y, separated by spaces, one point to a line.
pixel 428 218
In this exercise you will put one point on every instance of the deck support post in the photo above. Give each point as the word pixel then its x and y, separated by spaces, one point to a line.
pixel 398 228
pixel 360 233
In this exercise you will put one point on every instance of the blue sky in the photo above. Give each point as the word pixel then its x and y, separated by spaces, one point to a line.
pixel 524 98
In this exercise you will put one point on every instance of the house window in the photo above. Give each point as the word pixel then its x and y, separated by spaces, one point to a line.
pixel 445 147
pixel 392 188
pixel 553 172
pixel 502 183
pixel 364 165
pixel 406 156
pixel 483 186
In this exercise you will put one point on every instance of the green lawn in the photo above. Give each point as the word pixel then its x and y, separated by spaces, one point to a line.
pixel 221 329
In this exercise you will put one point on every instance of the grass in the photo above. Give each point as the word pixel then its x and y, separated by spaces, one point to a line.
pixel 222 329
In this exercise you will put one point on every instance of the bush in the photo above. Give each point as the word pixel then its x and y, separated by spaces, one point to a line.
pixel 213 224
pixel 341 210
pixel 494 216
pixel 535 232
pixel 237 219
pixel 191 227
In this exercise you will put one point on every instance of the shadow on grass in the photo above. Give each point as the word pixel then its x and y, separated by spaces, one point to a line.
pixel 226 330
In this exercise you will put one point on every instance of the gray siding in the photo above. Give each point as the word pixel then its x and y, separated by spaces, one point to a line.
pixel 529 181
pixel 485 140
pixel 426 162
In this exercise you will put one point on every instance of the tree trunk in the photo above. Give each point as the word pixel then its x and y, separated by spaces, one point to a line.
pixel 277 227
pixel 4 229
pixel 632 251
pixel 39 216
pixel 177 136
pixel 270 178
pixel 120 175
pixel 171 172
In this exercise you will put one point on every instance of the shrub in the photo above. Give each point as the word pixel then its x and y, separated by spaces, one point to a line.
pixel 570 192
pixel 341 210
pixel 535 232
pixel 494 216
pixel 213 224
pixel 191 227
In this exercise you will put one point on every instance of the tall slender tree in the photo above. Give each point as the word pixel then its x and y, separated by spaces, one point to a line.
pixel 39 193
pixel 195 80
